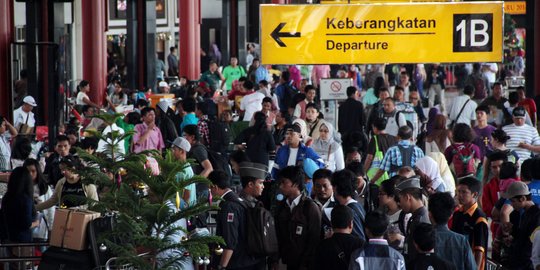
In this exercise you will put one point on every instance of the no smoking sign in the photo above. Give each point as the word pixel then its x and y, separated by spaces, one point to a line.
pixel 335 89
pixel 335 86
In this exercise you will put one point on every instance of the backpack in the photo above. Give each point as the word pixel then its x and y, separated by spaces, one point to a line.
pixel 219 162
pixel 261 231
pixel 220 136
pixel 411 117
pixel 288 96
pixel 463 162
pixel 479 87
pixel 406 157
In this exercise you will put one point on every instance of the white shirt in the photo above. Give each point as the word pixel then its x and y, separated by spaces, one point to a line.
pixel 251 104
pixel 19 118
pixel 391 125
pixel 293 152
pixel 102 145
pixel 491 73
pixel 469 112
pixel 5 150
pixel 294 203
pixel 80 96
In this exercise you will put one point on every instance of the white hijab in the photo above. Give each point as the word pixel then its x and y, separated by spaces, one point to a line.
pixel 429 167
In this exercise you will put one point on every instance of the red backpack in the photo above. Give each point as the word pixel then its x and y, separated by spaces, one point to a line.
pixel 463 162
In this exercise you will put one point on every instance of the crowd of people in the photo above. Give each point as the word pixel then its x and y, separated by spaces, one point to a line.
pixel 407 179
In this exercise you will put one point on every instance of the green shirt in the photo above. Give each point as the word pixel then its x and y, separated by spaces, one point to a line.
pixel 211 79
pixel 127 128
pixel 231 74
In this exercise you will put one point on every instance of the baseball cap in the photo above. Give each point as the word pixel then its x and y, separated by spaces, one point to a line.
pixel 163 84
pixel 30 101
pixel 182 143
pixel 163 105
pixel 251 169
pixel 517 188
pixel 296 128
pixel 413 182
pixel 519 112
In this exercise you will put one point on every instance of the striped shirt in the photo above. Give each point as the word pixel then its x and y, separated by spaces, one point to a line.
pixel 524 133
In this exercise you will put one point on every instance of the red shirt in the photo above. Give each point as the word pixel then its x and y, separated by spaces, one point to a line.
pixel 490 196
pixel 529 105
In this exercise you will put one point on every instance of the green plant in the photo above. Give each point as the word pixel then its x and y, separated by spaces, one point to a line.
pixel 147 205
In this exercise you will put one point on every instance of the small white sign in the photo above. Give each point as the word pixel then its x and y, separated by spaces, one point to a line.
pixel 335 89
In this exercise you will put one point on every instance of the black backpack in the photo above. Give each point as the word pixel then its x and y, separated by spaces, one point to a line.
pixel 261 231
pixel 288 96
pixel 219 162
pixel 220 136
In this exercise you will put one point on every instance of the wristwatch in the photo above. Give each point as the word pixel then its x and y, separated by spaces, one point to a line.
pixel 220 267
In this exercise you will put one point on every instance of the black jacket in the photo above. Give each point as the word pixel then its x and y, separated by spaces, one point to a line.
pixel 351 116
pixel 298 232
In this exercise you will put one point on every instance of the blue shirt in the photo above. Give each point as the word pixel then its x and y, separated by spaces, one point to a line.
pixel 393 156
pixel 534 188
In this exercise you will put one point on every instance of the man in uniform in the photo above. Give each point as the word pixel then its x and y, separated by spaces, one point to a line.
pixel 231 225
pixel 252 177
pixel 298 221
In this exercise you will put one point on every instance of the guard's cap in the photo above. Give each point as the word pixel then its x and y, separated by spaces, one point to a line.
pixel 251 169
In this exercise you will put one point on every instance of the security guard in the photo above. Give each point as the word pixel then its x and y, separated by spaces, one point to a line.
pixel 252 176
pixel 231 225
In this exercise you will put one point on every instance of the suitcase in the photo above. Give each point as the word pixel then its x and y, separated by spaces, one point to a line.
pixel 95 231
pixel 55 258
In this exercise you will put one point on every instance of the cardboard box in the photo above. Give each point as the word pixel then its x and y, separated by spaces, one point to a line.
pixel 69 229
pixel 155 98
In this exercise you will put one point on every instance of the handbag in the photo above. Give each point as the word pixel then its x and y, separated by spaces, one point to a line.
pixel 375 164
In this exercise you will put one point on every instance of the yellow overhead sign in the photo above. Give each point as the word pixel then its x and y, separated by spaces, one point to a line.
pixel 382 33
pixel 515 7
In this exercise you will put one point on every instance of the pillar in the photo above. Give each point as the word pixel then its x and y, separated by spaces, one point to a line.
pixel 190 39
pixel 94 48
pixel 533 61
pixel 6 37
pixel 131 45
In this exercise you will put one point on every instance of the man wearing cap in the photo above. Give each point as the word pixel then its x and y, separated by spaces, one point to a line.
pixel 525 219
pixel 163 87
pixel 24 114
pixel 231 225
pixel 252 176
pixel 410 199
pixel 294 152
pixel 405 153
pixel 180 148
pixel 524 139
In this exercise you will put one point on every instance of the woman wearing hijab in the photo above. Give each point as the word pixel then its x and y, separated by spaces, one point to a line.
pixel 428 170
pixel 328 148
pixel 444 171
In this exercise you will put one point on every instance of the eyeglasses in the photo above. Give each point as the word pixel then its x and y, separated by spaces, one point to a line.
pixel 382 194
pixel 413 98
